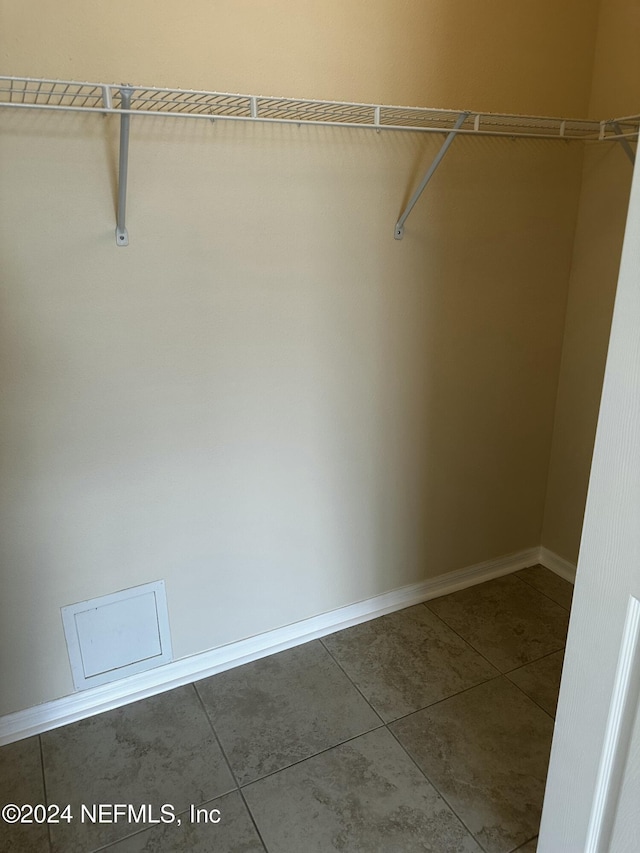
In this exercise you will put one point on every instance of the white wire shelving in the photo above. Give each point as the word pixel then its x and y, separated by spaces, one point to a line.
pixel 127 101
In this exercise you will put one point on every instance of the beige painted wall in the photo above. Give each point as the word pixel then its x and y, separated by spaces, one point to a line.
pixel 602 215
pixel 265 399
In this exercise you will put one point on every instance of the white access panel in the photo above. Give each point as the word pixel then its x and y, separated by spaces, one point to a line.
pixel 117 635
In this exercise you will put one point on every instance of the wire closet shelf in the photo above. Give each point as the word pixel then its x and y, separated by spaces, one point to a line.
pixel 126 101
pixel 34 93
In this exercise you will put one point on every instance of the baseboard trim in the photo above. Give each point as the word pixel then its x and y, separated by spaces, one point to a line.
pixel 106 697
pixel 557 564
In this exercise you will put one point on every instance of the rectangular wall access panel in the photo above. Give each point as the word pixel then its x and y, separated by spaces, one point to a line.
pixel 117 635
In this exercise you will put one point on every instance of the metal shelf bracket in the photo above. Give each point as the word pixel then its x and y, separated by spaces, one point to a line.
pixel 628 150
pixel 122 235
pixel 398 232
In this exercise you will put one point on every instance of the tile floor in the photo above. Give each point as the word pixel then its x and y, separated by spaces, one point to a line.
pixel 424 730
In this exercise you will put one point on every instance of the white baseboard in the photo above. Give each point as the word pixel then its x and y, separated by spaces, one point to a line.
pixel 557 564
pixel 96 700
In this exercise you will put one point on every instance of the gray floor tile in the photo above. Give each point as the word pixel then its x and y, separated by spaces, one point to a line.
pixel 487 752
pixel 273 712
pixel 548 582
pixel 156 751
pixel 365 795
pixel 21 784
pixel 407 660
pixel 541 680
pixel 506 620
pixel 234 833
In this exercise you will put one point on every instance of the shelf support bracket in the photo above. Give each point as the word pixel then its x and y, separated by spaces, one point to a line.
pixel 398 232
pixel 628 150
pixel 122 236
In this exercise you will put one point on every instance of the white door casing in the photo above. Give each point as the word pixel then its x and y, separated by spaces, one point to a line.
pixel 592 799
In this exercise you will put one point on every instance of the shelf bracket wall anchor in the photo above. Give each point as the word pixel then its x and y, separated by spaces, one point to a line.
pixel 628 150
pixel 398 232
pixel 122 236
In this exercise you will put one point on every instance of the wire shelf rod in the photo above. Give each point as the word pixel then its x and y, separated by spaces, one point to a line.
pixel 35 93
pixel 622 119
pixel 512 132
pixel 617 137
pixel 125 101
pixel 96 87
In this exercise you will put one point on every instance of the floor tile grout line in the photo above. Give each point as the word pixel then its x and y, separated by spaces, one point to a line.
pixel 112 843
pixel 240 785
pixel 537 660
pixel 441 794
pixel 464 640
pixel 433 785
pixel 215 734
pixel 351 681
pixel 524 843
pixel 528 583
pixel 445 625
pixel 44 788
pixel 464 690
pixel 146 827
pixel 237 789
pixel 468 642
pixel 253 820
pixel 151 826
pixel 445 699
pixel 536 703
pixel 386 727
pixel 503 675
pixel 482 655
pixel 510 673
pixel 229 765
pixel 313 755
pixel 383 724
pixel 139 831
